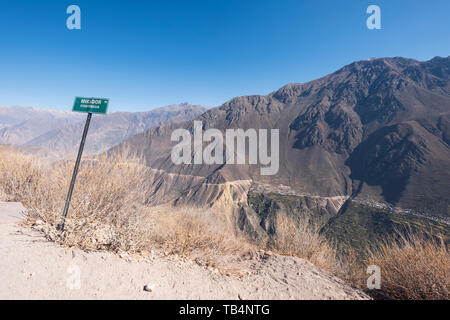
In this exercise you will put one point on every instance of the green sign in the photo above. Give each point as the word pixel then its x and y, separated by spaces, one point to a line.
pixel 90 105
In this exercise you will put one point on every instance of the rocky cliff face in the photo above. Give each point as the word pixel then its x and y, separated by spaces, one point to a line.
pixel 375 131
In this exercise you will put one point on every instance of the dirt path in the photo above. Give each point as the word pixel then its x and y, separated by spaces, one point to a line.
pixel 33 268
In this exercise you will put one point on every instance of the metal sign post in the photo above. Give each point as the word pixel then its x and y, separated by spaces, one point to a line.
pixel 89 105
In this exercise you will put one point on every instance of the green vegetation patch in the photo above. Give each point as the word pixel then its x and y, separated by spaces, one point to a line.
pixel 362 227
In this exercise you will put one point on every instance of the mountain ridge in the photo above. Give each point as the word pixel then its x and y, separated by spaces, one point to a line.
pixel 375 129
pixel 62 130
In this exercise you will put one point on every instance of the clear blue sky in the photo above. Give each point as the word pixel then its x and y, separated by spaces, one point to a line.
pixel 146 54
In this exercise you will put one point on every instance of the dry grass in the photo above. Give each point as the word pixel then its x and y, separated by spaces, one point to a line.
pixel 21 176
pixel 106 210
pixel 106 213
pixel 351 267
pixel 302 239
pixel 202 235
pixel 413 267
pixel 101 203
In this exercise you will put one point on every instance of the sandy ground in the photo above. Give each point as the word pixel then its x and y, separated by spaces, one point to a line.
pixel 33 268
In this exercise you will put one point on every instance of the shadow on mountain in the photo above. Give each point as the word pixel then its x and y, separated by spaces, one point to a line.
pixel 388 158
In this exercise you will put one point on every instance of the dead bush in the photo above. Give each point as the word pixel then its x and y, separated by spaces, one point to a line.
pixel 301 239
pixel 413 267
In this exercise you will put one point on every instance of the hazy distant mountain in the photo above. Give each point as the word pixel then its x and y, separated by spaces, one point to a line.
pixel 363 151
pixel 19 125
pixel 60 131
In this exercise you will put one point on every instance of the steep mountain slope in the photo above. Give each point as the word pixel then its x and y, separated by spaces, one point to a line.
pixel 375 131
pixel 62 130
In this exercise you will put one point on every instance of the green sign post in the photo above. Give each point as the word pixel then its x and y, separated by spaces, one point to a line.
pixel 89 106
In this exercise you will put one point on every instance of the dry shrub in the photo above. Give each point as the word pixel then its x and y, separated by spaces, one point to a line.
pixel 413 267
pixel 351 267
pixel 21 176
pixel 200 234
pixel 107 211
pixel 105 204
pixel 302 239
pixel 102 201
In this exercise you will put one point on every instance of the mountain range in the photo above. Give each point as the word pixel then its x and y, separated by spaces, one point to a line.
pixel 364 151
pixel 59 132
